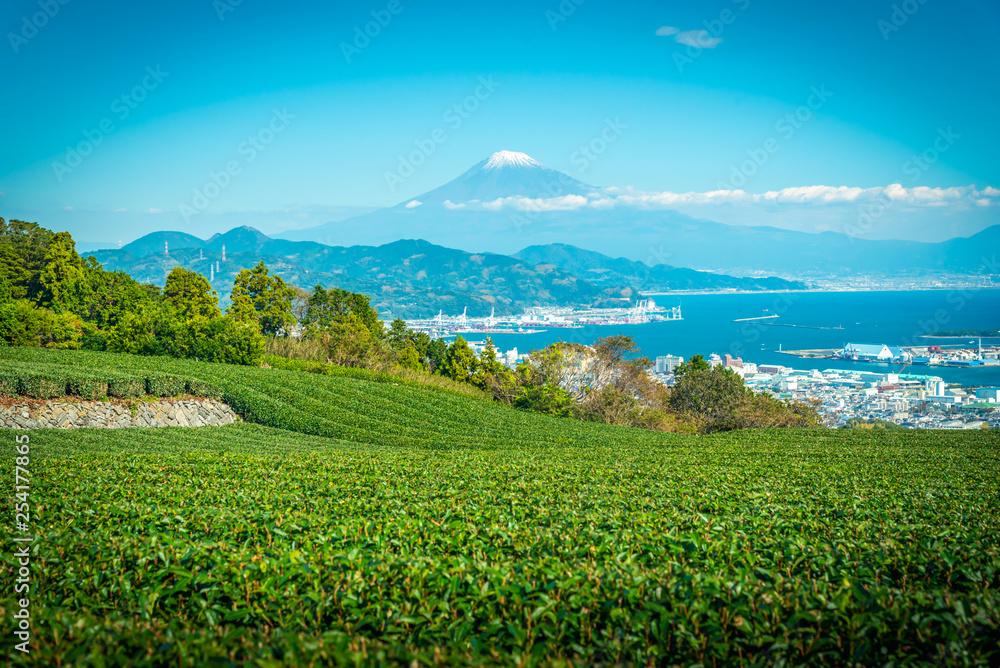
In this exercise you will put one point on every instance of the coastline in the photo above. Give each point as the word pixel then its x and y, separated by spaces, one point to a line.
pixel 819 290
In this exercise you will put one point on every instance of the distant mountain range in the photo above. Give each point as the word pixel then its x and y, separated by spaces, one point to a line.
pixel 602 271
pixel 411 278
pixel 510 201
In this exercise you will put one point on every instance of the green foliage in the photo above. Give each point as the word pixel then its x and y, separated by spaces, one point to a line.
pixel 860 423
pixel 43 380
pixel 62 279
pixel 41 385
pixel 221 340
pixel 199 388
pixel 126 387
pixel 349 342
pixel 22 323
pixel 460 363
pixel 142 331
pixel 87 388
pixel 164 385
pixel 336 306
pixel 263 299
pixel 191 295
pixel 252 546
pixel 545 399
pixel 696 363
pixel 716 399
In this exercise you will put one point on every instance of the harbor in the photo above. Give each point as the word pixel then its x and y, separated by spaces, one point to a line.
pixel 956 355
pixel 544 318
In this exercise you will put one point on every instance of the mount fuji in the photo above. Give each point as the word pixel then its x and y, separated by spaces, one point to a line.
pixel 505 174
pixel 510 201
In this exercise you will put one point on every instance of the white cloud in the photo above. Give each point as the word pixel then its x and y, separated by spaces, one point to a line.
pixel 154 211
pixel 697 38
pixel 563 203
pixel 67 208
pixel 119 210
pixel 666 31
pixel 815 196
pixel 413 204
pixel 448 204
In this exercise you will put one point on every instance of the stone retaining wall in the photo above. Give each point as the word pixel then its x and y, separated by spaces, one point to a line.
pixel 65 415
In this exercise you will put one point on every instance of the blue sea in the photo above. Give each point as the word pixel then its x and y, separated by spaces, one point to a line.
pixel 894 318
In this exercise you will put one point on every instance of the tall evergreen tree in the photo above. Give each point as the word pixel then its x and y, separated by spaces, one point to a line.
pixel 264 299
pixel 191 295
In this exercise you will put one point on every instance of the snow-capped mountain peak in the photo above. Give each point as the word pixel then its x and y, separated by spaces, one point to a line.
pixel 503 174
pixel 505 159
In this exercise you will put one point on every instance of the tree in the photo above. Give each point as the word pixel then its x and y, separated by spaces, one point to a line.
pixel 696 363
pixel 221 340
pixel 191 295
pixel 493 377
pixel 437 353
pixel 23 247
pixel 23 323
pixel 300 304
pixel 110 295
pixel 62 278
pixel 460 363
pixel 409 358
pixel 716 399
pixel 262 299
pixel 349 342
pixel 399 334
pixel 326 307
pixel 137 333
pixel 546 399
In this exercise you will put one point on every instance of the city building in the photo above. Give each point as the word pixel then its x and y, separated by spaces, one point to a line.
pixel 667 363
pixel 731 362
pixel 869 352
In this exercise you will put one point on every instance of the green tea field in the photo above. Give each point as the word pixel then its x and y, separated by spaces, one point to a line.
pixel 363 519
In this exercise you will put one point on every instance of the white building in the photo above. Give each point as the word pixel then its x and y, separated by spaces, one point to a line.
pixel 667 363
pixel 874 352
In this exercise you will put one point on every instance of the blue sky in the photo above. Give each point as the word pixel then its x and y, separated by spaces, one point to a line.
pixel 200 78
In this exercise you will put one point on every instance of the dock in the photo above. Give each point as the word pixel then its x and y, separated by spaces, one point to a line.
pixel 760 317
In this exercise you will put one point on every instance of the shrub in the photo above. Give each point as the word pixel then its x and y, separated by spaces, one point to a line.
pixel 164 385
pixel 8 384
pixel 42 385
pixel 547 399
pixel 126 387
pixel 198 388
pixel 87 388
